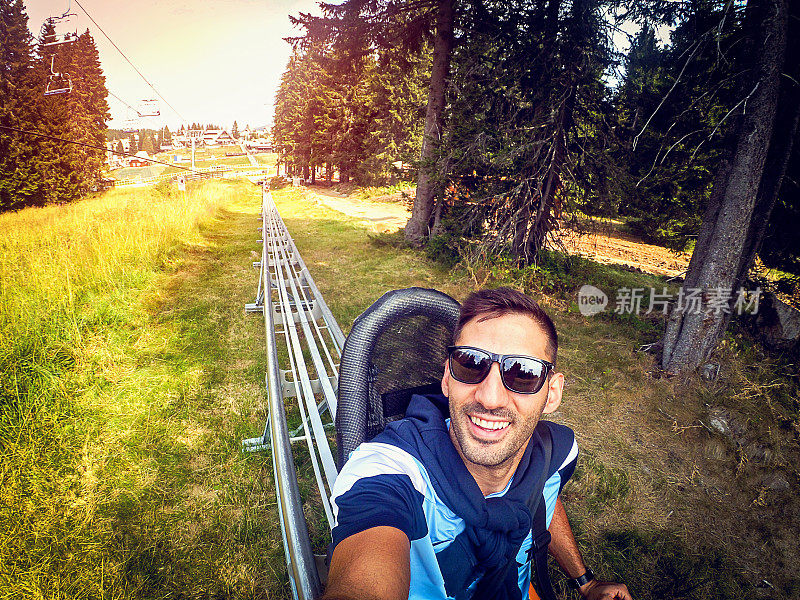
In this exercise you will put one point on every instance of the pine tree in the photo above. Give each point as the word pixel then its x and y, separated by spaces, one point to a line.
pixel 356 115
pixel 725 245
pixel 674 116
pixel 527 91
pixel 88 109
pixel 147 143
pixel 59 163
pixel 235 131
pixel 21 183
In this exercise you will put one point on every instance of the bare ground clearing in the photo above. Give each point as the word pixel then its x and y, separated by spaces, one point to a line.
pixel 608 246
pixel 602 243
pixel 381 217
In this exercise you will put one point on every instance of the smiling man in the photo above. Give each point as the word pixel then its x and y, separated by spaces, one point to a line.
pixel 439 504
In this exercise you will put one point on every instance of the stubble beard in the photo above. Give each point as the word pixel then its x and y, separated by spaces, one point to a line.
pixel 487 453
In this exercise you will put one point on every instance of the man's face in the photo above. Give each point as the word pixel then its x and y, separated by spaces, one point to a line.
pixel 489 424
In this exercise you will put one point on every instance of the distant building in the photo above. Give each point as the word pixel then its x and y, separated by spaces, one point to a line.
pixel 250 134
pixel 140 160
pixel 183 138
pixel 260 144
pixel 218 137
pixel 113 159
pixel 203 137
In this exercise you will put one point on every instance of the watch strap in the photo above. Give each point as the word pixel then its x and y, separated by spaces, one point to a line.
pixel 579 582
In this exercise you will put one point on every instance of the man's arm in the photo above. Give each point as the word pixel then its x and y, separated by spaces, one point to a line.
pixel 565 550
pixel 373 564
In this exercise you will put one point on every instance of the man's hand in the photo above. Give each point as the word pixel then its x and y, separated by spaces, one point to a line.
pixel 604 590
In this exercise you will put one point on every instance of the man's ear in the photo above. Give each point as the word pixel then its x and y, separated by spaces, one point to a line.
pixel 446 381
pixel 555 388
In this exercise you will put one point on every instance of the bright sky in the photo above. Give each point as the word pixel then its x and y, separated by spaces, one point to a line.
pixel 213 61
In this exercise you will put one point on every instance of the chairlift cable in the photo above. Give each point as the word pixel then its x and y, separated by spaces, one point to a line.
pixel 121 100
pixel 130 63
pixel 58 139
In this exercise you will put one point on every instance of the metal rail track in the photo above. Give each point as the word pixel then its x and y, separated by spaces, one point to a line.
pixel 295 314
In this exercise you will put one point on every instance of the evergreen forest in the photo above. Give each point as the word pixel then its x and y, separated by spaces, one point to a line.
pixel 36 113
pixel 136 336
pixel 518 119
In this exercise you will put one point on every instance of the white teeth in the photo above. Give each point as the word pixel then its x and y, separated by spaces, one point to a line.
pixel 489 424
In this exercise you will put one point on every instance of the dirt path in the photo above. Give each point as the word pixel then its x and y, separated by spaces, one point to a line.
pixel 605 245
pixel 382 217
pixel 608 246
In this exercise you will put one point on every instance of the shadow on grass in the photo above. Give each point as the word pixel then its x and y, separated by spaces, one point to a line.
pixel 656 565
pixel 659 565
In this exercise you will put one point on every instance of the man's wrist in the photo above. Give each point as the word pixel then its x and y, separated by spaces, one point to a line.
pixel 581 583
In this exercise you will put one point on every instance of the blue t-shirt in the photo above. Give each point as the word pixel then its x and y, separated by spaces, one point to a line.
pixel 383 485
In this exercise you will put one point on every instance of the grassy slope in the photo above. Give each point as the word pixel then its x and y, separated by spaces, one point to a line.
pixel 658 500
pixel 131 374
pixel 122 469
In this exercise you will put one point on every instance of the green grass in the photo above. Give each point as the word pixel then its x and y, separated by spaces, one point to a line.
pixel 130 375
pixel 349 268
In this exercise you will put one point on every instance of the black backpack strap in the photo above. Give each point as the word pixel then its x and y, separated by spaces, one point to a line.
pixel 540 535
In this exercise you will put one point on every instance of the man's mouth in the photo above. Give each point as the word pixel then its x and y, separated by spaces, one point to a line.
pixel 490 425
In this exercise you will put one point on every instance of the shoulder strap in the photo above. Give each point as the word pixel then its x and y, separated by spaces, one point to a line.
pixel 543 431
pixel 540 535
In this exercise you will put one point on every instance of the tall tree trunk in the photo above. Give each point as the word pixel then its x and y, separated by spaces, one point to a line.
pixel 543 220
pixel 522 218
pixel 548 199
pixel 787 122
pixel 691 336
pixel 416 231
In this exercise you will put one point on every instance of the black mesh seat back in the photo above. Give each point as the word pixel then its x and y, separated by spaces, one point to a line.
pixel 397 346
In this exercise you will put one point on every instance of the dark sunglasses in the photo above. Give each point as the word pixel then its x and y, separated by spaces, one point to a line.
pixel 519 373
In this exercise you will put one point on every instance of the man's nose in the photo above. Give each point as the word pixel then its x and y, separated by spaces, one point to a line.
pixel 491 392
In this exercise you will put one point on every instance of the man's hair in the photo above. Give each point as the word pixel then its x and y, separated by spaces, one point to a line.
pixel 490 303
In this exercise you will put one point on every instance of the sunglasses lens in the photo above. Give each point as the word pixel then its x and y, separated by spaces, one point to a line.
pixel 523 375
pixel 469 366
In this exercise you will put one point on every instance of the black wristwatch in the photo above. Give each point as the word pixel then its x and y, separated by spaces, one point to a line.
pixel 579 582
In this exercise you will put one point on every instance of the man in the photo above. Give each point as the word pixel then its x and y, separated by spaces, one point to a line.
pixel 437 508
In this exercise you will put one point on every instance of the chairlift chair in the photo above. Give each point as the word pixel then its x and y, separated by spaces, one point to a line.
pixel 68 31
pixel 149 108
pixel 57 83
pixel 131 123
